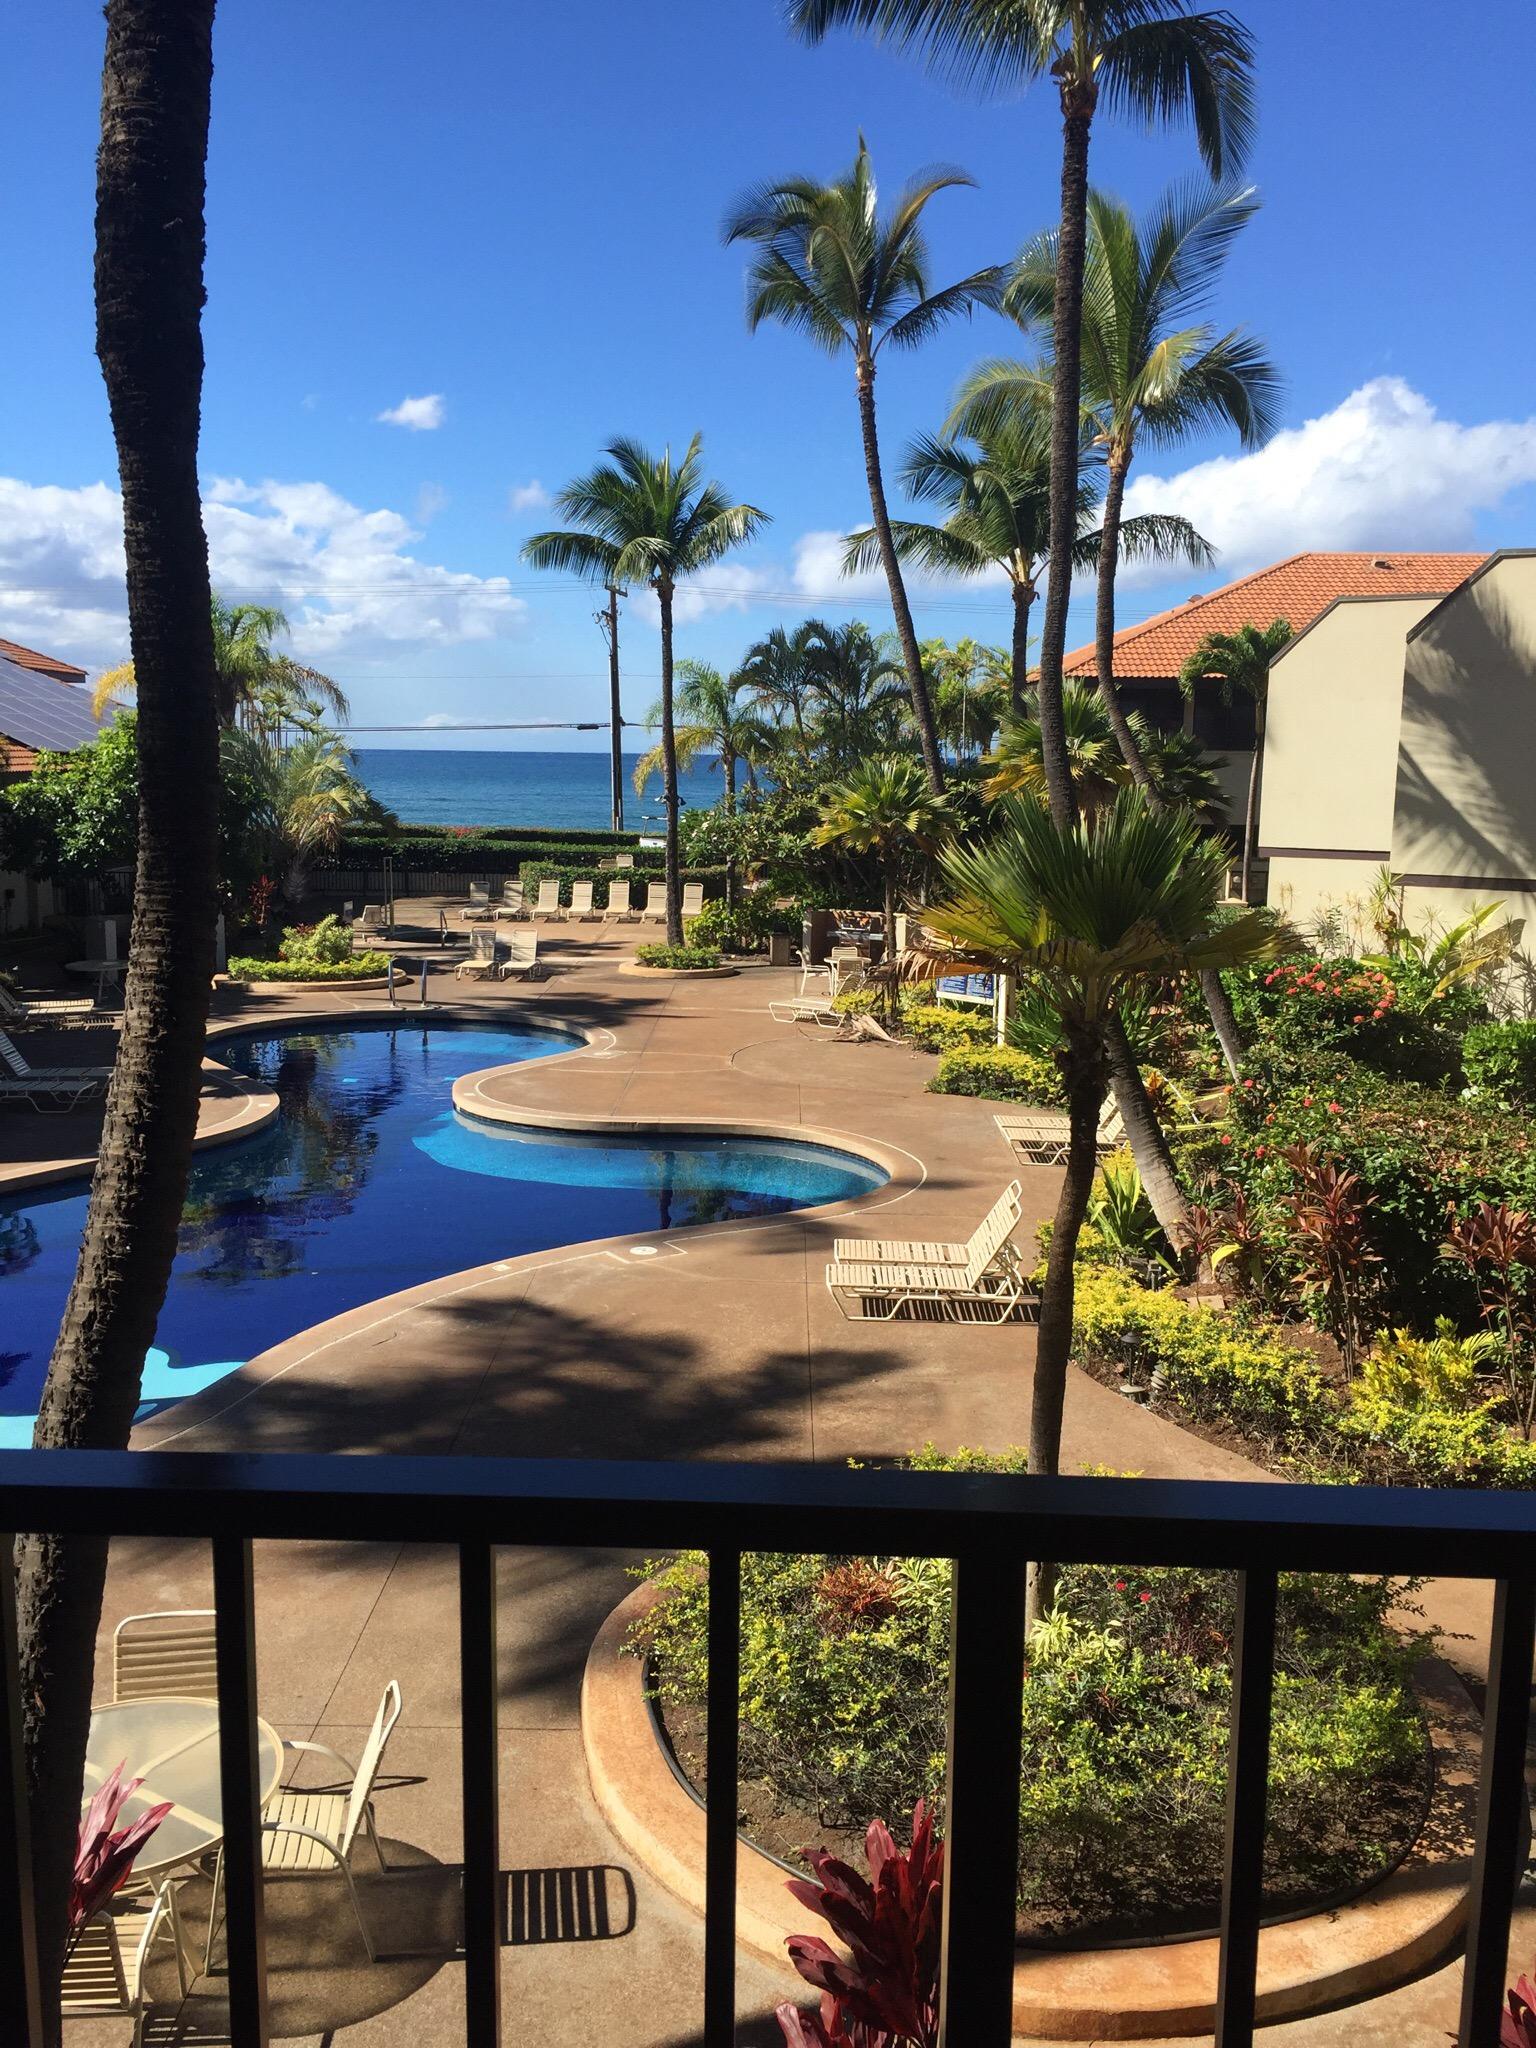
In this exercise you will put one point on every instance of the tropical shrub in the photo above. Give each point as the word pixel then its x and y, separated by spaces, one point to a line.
pixel 326 944
pixel 357 967
pixel 743 927
pixel 681 959
pixel 1121 1213
pixel 1499 1061
pixel 474 852
pixel 1001 1072
pixel 946 1027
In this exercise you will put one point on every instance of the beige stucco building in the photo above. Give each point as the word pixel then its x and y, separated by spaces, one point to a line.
pixel 1402 733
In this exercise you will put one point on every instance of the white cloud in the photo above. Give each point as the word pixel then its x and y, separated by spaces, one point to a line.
pixel 818 569
pixel 344 575
pixel 722 587
pixel 528 497
pixel 430 500
pixel 1381 470
pixel 421 415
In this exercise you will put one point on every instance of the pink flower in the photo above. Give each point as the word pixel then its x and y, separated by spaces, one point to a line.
pixel 1259 1151
pixel 1247 1084
pixel 1119 1585
pixel 1334 1109
pixel 1306 1102
pixel 1144 1598
pixel 1225 1138
pixel 1359 1017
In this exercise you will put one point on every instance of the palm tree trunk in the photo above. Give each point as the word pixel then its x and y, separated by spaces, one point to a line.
pixel 1067 347
pixel 728 763
pixel 674 883
pixel 615 713
pixel 1018 681
pixel 1255 782
pixel 1104 623
pixel 906 632
pixel 149 296
pixel 1149 1146
pixel 1053 1343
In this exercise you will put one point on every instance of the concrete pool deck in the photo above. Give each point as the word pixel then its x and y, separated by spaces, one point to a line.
pixel 723 1343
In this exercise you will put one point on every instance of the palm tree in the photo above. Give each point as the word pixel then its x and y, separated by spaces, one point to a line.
pixel 1240 662
pixel 1085 916
pixel 970 687
pixel 1159 59
pixel 259 688
pixel 645 519
pixel 886 807
pixel 149 298
pixel 1184 775
pixel 300 799
pixel 830 264
pixel 1093 760
pixel 777 671
pixel 996 492
pixel 715 725
pixel 860 696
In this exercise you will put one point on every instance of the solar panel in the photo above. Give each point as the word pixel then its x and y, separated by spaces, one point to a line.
pixel 37 711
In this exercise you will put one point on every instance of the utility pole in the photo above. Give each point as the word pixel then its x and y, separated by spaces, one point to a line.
pixel 608 624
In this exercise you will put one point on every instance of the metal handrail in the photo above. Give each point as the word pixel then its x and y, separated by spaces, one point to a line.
pixel 988 1524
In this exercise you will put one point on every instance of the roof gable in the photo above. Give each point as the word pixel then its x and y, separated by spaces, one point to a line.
pixel 44 664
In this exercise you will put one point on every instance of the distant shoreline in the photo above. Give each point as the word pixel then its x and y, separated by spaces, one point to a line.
pixel 470 789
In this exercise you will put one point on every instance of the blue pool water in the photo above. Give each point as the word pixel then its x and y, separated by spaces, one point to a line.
pixel 367 1183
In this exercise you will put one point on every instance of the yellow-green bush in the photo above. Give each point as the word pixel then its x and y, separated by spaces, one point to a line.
pixel 1001 1072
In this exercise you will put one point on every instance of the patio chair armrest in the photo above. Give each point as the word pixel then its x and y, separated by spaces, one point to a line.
pixel 322 1749
pixel 293 1827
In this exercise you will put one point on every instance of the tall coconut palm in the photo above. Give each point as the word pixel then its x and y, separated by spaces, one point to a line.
pixel 1239 662
pixel 149 299
pixel 970 686
pixel 259 688
pixel 644 518
pixel 1086 916
pixel 710 722
pixel 832 265
pixel 996 491
pixel 1161 60
pixel 886 807
pixel 859 692
pixel 300 798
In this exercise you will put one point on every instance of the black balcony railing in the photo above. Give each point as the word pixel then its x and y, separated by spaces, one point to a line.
pixel 988 1525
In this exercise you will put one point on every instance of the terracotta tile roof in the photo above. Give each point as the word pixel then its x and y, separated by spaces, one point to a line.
pixel 45 664
pixel 1299 589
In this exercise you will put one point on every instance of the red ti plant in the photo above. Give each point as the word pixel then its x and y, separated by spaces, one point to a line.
pixel 1497 1245
pixel 885 1993
pixel 1519 2026
pixel 104 1852
pixel 1328 1229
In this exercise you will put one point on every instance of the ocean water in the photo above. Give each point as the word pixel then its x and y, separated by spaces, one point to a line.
pixel 459 786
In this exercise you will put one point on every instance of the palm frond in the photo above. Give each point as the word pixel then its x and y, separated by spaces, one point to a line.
pixel 1163 67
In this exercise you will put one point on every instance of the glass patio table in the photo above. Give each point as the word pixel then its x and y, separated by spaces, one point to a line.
pixel 173 1745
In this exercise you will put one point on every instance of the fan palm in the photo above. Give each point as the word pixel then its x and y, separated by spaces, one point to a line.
pixel 861 701
pixel 714 723
pixel 644 518
pixel 886 807
pixel 1233 663
pixel 1085 916
pixel 996 492
pixel 1093 761
pixel 300 799
pixel 257 686
pixel 832 265
pixel 1159 59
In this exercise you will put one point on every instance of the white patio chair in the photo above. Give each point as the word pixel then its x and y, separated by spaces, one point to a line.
pixel 480 960
pixel 311 1834
pixel 624 860
pixel 1043 1137
pixel 848 968
pixel 522 962
pixel 693 899
pixel 1002 1217
pixel 619 909
pixel 989 1288
pixel 548 904
pixel 581 910
pixel 166 1655
pixel 806 1009
pixel 478 909
pixel 61 1088
pixel 511 904
pixel 102 1981
pixel 654 909
pixel 20 1009
pixel 373 923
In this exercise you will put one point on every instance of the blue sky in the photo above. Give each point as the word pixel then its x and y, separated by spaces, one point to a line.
pixel 515 212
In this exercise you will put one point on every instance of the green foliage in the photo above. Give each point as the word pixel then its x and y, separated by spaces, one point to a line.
pixel 745 928
pixel 1121 1212
pixel 359 967
pixel 77 813
pixel 1000 1072
pixel 645 884
pixel 414 849
pixel 681 959
pixel 327 943
pixel 1499 1061
pixel 946 1027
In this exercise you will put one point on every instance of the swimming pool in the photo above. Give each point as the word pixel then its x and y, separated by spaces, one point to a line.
pixel 370 1182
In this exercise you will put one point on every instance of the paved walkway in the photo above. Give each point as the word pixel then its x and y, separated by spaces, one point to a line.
pixel 723 1344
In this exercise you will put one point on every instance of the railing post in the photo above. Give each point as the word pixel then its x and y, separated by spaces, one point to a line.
pixel 1242 1889
pixel 1503 1812
pixel 21 2010
pixel 981 1843
pixel 479 1682
pixel 245 1934
pixel 723 1702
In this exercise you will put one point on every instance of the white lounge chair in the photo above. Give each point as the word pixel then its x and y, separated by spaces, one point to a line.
pixel 105 1979
pixel 20 1009
pixel 990 1287
pixel 619 910
pixel 624 860
pixel 806 1009
pixel 548 904
pixel 654 909
pixel 1044 1136
pixel 481 959
pixel 372 924
pixel 908 1251
pixel 522 962
pixel 61 1088
pixel 693 899
pixel 511 904
pixel 581 911
pixel 848 968
pixel 311 1834
pixel 478 909
pixel 165 1655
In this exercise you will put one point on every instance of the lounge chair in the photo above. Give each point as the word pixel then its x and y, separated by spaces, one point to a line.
pixel 1044 1136
pixel 166 1655
pixel 373 924
pixel 581 910
pixel 654 909
pixel 481 959
pixel 21 1009
pixel 620 909
pixel 990 1287
pixel 63 1088
pixel 312 1834
pixel 624 860
pixel 478 909
pixel 693 899
pixel 548 904
pixel 511 904
pixel 908 1251
pixel 805 1009
pixel 522 960
pixel 102 1979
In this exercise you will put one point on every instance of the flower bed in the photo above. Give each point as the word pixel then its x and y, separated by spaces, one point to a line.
pixel 361 967
pixel 679 959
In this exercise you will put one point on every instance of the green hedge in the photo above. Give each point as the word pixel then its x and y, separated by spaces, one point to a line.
pixel 455 854
pixel 680 958
pixel 361 967
pixel 1001 1072
pixel 522 835
pixel 1500 1063
pixel 536 871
